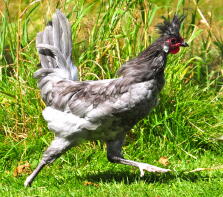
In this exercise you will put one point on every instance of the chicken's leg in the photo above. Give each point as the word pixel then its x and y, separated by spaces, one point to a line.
pixel 114 155
pixel 55 150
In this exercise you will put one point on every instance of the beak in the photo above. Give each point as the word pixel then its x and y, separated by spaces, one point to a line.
pixel 184 44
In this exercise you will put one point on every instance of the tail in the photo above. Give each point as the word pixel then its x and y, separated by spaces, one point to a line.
pixel 54 46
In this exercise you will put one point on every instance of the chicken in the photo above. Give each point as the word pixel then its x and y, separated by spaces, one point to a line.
pixel 99 110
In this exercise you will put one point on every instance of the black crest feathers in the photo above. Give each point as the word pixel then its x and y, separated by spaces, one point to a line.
pixel 168 27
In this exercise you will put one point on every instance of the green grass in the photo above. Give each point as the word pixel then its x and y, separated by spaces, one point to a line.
pixel 183 127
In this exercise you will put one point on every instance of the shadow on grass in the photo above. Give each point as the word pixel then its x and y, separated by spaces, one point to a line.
pixel 130 178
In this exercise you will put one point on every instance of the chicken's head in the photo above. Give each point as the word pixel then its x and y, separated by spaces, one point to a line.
pixel 169 31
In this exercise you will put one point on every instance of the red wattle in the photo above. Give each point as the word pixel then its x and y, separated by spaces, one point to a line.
pixel 175 50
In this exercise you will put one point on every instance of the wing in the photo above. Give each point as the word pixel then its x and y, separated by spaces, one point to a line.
pixel 98 99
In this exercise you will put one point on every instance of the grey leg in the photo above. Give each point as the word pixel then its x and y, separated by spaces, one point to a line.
pixel 31 177
pixel 114 155
pixel 55 150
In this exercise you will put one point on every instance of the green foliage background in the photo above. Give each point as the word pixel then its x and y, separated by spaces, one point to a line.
pixel 185 126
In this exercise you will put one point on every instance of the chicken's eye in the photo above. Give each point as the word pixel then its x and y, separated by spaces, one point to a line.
pixel 173 41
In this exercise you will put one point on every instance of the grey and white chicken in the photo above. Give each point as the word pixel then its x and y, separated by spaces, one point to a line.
pixel 99 110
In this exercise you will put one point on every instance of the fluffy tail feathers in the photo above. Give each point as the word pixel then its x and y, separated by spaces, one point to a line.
pixel 54 46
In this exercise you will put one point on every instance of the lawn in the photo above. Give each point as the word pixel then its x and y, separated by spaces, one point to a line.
pixel 183 133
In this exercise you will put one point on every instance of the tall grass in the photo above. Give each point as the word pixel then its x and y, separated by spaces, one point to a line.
pixel 105 34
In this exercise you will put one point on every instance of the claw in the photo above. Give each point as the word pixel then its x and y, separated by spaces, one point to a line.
pixel 151 168
pixel 27 182
pixel 141 172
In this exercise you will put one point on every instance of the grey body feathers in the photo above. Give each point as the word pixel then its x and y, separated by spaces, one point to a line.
pixel 114 105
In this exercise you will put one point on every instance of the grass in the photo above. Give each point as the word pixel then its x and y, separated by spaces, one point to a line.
pixel 183 127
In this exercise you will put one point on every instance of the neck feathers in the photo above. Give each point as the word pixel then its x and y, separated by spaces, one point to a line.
pixel 148 65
